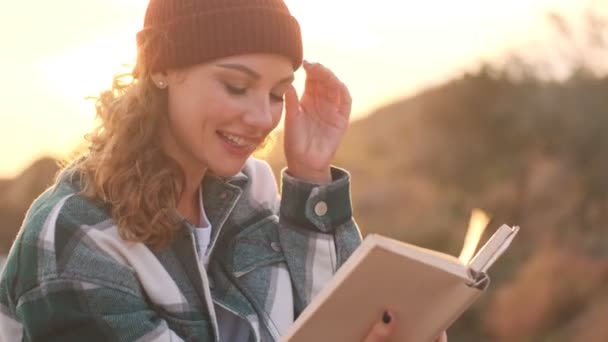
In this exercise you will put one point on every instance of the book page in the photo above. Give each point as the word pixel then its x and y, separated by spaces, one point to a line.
pixel 494 248
pixel 446 262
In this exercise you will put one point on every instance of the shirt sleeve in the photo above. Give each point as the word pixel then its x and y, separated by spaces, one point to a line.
pixel 317 231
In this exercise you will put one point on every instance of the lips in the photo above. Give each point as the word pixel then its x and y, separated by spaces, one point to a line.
pixel 238 140
pixel 234 139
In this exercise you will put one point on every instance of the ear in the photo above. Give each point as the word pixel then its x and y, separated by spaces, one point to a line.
pixel 160 79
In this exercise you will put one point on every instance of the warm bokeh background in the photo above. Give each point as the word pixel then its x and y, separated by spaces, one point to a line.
pixel 499 105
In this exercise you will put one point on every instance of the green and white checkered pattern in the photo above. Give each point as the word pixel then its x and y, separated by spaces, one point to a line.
pixel 70 277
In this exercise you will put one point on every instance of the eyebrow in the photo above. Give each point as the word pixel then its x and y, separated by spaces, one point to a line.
pixel 251 73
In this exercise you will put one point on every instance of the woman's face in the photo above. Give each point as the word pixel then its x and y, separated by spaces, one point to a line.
pixel 220 112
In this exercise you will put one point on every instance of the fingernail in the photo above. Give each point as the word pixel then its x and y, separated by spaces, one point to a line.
pixel 386 317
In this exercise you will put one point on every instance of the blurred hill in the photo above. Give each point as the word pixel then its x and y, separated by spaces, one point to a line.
pixel 17 194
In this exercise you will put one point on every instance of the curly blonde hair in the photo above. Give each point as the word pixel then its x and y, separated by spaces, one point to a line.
pixel 126 167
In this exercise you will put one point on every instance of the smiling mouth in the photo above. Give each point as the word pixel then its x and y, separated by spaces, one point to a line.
pixel 238 141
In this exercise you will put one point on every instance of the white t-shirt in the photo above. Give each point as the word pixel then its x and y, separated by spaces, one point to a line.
pixel 232 327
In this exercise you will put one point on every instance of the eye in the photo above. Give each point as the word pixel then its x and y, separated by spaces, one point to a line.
pixel 242 91
pixel 235 90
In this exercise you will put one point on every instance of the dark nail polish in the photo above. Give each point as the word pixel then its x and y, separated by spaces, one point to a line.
pixel 386 318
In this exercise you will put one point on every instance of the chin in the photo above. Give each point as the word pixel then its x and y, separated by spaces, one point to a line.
pixel 227 170
pixel 226 162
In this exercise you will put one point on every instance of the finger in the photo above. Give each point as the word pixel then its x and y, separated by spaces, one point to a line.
pixel 346 101
pixel 322 83
pixel 316 72
pixel 382 330
pixel 292 103
pixel 442 338
pixel 331 95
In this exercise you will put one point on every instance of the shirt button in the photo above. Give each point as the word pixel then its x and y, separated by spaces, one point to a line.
pixel 275 246
pixel 321 208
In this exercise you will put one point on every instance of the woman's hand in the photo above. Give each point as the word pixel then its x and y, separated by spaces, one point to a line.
pixel 382 330
pixel 315 124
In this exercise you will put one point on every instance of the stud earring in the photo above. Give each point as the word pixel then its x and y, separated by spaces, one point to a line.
pixel 161 84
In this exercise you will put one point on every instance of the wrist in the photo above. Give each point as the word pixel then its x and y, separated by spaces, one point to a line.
pixel 312 176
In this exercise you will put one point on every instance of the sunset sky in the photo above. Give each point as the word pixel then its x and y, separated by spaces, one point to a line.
pixel 54 53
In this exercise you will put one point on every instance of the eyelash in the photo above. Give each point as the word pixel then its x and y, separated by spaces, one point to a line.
pixel 241 91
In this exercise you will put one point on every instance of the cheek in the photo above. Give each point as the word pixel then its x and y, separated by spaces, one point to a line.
pixel 194 108
pixel 185 118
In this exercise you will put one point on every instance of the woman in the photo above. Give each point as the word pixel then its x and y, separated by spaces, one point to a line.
pixel 167 229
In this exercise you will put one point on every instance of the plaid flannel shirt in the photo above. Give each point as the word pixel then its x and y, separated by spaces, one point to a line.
pixel 70 277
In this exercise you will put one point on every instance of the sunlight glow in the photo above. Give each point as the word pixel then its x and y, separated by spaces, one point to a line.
pixel 383 52
pixel 477 225
pixel 88 69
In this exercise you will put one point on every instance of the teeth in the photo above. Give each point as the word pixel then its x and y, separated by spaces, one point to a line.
pixel 236 139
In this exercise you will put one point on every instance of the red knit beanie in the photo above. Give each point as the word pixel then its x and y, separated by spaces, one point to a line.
pixel 181 33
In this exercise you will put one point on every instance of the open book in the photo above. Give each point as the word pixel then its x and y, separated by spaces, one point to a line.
pixel 426 289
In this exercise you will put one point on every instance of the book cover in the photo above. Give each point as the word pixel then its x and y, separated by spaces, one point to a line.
pixel 427 290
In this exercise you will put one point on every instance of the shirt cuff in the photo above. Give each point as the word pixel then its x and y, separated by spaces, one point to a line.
pixel 320 207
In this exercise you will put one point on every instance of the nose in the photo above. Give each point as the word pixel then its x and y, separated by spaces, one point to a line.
pixel 260 115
